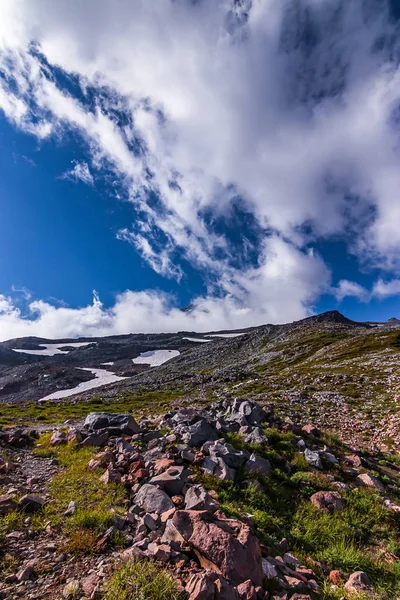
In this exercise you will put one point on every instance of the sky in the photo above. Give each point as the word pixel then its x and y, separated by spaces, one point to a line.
pixel 238 159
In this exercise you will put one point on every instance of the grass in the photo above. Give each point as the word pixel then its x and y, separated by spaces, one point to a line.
pixel 96 503
pixel 137 402
pixel 142 580
pixel 350 540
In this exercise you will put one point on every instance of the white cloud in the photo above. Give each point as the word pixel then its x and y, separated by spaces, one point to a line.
pixel 291 107
pixel 346 288
pixel 281 289
pixel 79 172
pixel 384 289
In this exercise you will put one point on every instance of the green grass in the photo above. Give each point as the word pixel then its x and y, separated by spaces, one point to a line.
pixel 142 580
pixel 350 540
pixel 138 402
pixel 96 503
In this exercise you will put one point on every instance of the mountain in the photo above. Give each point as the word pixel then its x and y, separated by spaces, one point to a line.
pixel 251 464
pixel 338 371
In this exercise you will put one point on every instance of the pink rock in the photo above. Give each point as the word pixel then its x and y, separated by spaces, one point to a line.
pixel 311 430
pixel 89 583
pixel 247 591
pixel 226 546
pixel 328 501
pixel 7 504
pixel 58 438
pixel 200 587
pixel 358 582
pixel 111 476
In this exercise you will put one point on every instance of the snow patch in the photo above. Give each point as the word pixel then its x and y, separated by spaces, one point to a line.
pixel 102 377
pixel 53 349
pixel 155 358
pixel 195 339
pixel 224 335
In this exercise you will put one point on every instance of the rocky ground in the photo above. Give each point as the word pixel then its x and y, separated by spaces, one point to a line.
pixel 224 502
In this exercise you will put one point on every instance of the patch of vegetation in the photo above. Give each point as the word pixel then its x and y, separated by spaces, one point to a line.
pixel 96 503
pixel 144 580
pixel 137 402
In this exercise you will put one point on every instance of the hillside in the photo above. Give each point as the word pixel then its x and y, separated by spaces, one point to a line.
pixel 259 464
pixel 341 374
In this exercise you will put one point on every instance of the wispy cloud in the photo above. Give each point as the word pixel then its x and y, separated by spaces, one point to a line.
pixel 79 172
pixel 292 107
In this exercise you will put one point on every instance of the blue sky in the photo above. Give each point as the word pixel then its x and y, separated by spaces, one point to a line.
pixel 241 158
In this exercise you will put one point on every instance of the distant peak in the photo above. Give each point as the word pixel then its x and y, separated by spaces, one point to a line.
pixel 393 319
pixel 332 316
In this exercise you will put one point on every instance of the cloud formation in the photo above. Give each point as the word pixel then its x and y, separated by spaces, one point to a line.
pixel 287 109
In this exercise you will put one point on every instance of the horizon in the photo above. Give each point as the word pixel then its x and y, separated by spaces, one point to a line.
pixel 241 330
pixel 239 158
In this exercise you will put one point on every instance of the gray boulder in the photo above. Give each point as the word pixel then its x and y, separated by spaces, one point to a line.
pixel 153 500
pixel 198 433
pixel 251 410
pixel 231 457
pixel 31 503
pixel 172 480
pixel 197 498
pixel 253 435
pixel 124 423
pixel 313 458
pixel 259 465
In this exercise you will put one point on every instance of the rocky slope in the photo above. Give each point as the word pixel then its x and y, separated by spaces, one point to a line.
pixel 342 375
pixel 227 502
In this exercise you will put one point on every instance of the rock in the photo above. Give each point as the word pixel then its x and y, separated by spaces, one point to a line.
pixel 150 522
pixel 269 570
pixel 72 506
pixel 208 465
pixel 313 458
pixel 388 504
pixel 222 471
pixel 311 430
pixel 253 435
pixel 224 591
pixel 358 582
pixel 367 480
pixel 25 573
pixel 225 545
pixel 161 552
pixel 197 498
pixel 232 458
pixel 124 423
pixel 328 501
pixel 247 591
pixel 329 457
pixel 58 438
pixel 71 589
pixel 249 409
pixel 199 433
pixel 74 435
pixel 96 439
pixel 289 559
pixel 172 480
pixel 90 583
pixel 259 465
pixel 153 500
pixel 31 503
pixel 200 587
pixel 7 504
pixel 335 577
pixel 111 476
